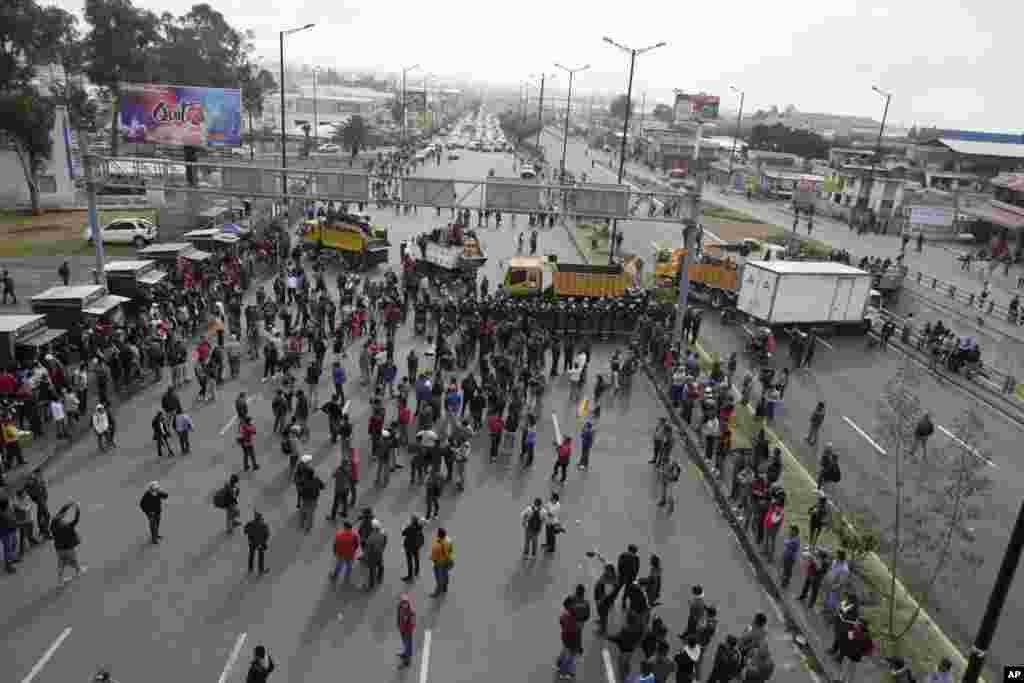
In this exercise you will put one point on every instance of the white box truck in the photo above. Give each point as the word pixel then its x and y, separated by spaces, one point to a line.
pixel 805 294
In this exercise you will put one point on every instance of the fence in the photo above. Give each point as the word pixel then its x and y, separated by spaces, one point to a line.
pixel 984 305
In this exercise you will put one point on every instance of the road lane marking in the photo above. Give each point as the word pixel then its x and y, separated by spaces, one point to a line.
pixel 970 449
pixel 47 656
pixel 609 668
pixel 824 343
pixel 425 657
pixel 558 432
pixel 864 435
pixel 235 651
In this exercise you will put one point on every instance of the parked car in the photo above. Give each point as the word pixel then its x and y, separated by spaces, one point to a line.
pixel 137 231
pixel 329 148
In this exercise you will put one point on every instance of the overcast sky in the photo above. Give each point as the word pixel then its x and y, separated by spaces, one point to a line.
pixel 946 63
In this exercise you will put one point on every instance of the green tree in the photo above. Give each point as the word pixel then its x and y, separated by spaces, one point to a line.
pixel 354 134
pixel 200 48
pixel 120 45
pixel 782 138
pixel 255 83
pixel 27 119
pixel 663 113
pixel 620 105
pixel 396 110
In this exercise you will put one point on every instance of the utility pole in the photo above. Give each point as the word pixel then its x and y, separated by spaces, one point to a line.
pixel 996 601
pixel 643 108
pixel 691 227
pixel 739 122
pixel 316 118
pixel 540 109
pixel 90 192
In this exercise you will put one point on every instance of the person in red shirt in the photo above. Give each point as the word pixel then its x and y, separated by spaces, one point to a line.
pixel 8 383
pixel 346 544
pixel 374 429
pixel 203 350
pixel 495 427
pixel 562 462
pixel 246 434
pixel 406 627
pixel 571 640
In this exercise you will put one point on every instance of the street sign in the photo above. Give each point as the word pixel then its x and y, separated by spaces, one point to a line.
pixel 939 216
pixel 429 192
pixel 604 200
pixel 505 194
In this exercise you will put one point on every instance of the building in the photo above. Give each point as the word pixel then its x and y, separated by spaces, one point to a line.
pixel 56 178
pixel 762 159
pixel 840 156
pixel 332 106
pixel 984 154
pixel 861 189
pixel 668 150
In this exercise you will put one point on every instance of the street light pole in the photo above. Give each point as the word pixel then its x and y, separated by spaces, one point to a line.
pixel 625 127
pixel 284 135
pixel 316 119
pixel 568 107
pixel 739 119
pixel 540 108
pixel 405 104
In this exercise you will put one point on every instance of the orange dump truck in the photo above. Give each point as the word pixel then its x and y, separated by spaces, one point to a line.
pixel 525 277
pixel 713 277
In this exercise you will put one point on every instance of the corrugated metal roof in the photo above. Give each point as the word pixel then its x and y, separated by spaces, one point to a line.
pixel 986 149
pixel 997 213
pixel 1011 181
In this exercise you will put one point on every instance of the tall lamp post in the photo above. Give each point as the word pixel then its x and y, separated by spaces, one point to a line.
pixel 568 106
pixel 284 135
pixel 633 53
pixel 316 118
pixel 739 120
pixel 405 103
pixel 878 145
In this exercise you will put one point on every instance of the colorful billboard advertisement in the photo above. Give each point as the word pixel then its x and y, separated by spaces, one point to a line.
pixel 701 106
pixel 181 115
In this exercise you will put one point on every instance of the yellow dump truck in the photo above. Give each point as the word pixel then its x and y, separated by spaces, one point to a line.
pixel 524 276
pixel 358 243
pixel 713 277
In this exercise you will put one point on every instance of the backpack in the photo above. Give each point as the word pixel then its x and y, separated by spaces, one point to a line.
pixel 534 522
pixel 221 497
pixel 674 471
pixel 833 474
pixel 581 611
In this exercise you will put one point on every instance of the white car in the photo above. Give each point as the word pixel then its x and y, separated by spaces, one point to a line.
pixel 137 231
pixel 329 148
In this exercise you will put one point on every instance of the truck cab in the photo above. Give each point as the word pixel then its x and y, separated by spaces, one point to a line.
pixel 524 276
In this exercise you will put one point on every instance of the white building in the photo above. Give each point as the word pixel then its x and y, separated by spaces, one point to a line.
pixel 56 185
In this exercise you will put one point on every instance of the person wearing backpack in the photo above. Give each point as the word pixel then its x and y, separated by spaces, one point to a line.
pixel 696 611
pixel 226 499
pixel 855 646
pixel 533 523
pixel 309 493
pixel 829 473
pixel 151 504
pixel 412 543
pixel 817 420
pixel 924 429
pixel 728 662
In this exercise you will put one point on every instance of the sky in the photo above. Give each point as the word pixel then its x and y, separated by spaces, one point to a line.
pixel 944 62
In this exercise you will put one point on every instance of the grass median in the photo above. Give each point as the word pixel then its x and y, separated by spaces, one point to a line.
pixel 59 233
pixel 925 645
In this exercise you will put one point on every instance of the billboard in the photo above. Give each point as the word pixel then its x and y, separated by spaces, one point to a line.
pixel 700 106
pixel 938 216
pixel 180 115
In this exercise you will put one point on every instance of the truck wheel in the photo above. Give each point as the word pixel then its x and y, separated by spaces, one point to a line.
pixel 716 299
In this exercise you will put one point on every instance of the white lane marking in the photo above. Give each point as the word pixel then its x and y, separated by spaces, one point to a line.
pixel 558 432
pixel 777 608
pixel 824 343
pixel 425 657
pixel 864 435
pixel 970 449
pixel 47 656
pixel 234 418
pixel 232 658
pixel 609 668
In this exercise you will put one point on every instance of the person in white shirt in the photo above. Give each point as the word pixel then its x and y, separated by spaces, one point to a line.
pixel 101 425
pixel 551 523
pixel 59 417
pixel 576 382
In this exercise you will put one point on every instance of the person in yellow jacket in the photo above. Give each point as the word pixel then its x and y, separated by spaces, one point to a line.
pixel 442 554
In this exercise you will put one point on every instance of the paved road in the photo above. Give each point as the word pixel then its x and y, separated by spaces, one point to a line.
pixel 850 380
pixel 176 611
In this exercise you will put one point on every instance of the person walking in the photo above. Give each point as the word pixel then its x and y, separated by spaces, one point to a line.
pixel 183 427
pixel 373 552
pixel 817 419
pixel 406 628
pixel 151 504
pixel 442 554
pixel 309 493
pixel 728 661
pixel 346 544
pixel 226 498
pixel 261 666
pixel 413 540
pixel 495 427
pixel 627 570
pixel 604 596
pixel 161 435
pixel 533 522
pixel 922 432
pixel 790 553
pixel 435 484
pixel 552 525
pixel 342 488
pixel 66 540
pixel 246 439
pixel 257 532
pixel 572 641
pixel 563 453
pixel 628 640
pixel 586 443
pixel 9 535
pixel 669 474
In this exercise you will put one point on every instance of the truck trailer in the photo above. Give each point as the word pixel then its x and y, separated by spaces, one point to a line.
pixel 805 294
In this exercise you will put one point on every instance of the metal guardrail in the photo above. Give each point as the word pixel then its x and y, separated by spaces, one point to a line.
pixel 984 305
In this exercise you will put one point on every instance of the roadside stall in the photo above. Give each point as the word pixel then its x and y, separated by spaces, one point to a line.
pixel 25 338
pixel 79 308
pixel 215 242
pixel 166 254
pixel 140 281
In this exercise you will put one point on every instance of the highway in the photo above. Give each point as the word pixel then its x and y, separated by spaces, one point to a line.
pixel 187 610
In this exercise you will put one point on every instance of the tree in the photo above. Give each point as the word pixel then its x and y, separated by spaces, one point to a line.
pixel 663 113
pixel 354 134
pixel 200 48
pixel 619 106
pixel 27 119
pixel 396 110
pixel 936 495
pixel 255 84
pixel 782 138
pixel 120 48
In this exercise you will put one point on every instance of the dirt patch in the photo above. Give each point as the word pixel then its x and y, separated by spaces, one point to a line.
pixel 734 232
